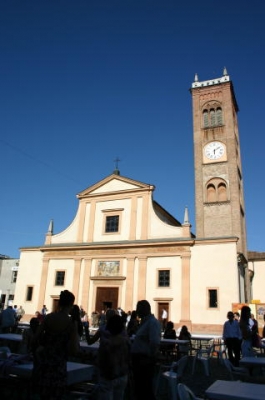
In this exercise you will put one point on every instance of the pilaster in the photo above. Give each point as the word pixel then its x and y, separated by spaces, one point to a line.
pixel 129 284
pixel 142 278
pixel 185 290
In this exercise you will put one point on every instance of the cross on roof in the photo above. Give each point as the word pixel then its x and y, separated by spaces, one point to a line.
pixel 117 160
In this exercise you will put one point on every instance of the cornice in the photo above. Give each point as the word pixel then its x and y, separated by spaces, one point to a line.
pixel 114 245
pixel 213 240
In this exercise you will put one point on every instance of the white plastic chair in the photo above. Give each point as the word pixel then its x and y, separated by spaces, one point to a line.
pixel 184 393
pixel 4 352
pixel 203 356
pixel 235 373
pixel 219 349
pixel 173 375
pixel 83 391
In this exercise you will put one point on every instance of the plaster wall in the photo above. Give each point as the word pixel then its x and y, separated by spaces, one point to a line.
pixel 160 229
pixel 258 267
pixel 69 235
pixel 113 186
pixel 99 228
pixel 30 267
pixel 153 291
pixel 213 266
pixel 66 265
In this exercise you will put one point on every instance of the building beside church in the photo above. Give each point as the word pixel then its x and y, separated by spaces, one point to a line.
pixel 122 246
pixel 8 277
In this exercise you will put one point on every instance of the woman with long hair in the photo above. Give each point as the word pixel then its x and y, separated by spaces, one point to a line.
pixel 183 349
pixel 133 324
pixel 113 360
pixel 246 331
pixel 75 314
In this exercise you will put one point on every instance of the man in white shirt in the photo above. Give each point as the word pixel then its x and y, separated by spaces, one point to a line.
pixel 164 319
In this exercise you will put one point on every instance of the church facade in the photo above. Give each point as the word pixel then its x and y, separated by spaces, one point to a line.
pixel 122 246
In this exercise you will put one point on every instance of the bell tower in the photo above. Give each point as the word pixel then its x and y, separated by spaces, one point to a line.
pixel 219 196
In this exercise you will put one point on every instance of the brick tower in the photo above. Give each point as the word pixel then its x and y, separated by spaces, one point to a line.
pixel 219 196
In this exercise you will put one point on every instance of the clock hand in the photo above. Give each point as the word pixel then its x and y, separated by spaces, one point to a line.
pixel 217 148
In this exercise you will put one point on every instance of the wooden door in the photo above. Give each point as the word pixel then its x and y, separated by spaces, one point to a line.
pixel 55 305
pixel 107 297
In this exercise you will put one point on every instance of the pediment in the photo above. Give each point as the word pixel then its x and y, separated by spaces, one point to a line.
pixel 114 183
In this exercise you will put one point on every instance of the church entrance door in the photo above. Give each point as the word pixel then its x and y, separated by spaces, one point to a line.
pixel 107 297
pixel 161 307
pixel 55 305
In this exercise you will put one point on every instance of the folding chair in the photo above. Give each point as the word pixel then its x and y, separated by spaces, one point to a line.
pixel 235 373
pixel 184 393
pixel 172 375
pixel 203 356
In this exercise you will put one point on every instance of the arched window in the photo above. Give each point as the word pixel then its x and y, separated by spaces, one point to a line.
pixel 222 193
pixel 211 193
pixel 219 117
pixel 216 191
pixel 205 119
pixel 212 116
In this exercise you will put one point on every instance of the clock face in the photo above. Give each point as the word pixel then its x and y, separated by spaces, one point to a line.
pixel 214 150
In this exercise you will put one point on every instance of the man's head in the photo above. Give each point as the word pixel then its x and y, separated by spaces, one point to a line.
pixel 115 324
pixel 143 308
pixel 230 315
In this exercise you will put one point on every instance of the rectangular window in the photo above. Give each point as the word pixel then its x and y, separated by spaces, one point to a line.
pixel 14 276
pixel 29 293
pixel 59 278
pixel 212 298
pixel 112 223
pixel 164 278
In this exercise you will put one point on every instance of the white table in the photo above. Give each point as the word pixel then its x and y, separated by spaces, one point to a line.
pixel 169 346
pixel 173 341
pixel 95 346
pixel 22 326
pixel 235 390
pixel 89 348
pixel 76 372
pixel 11 340
pixel 252 362
pixel 205 338
pixel 14 337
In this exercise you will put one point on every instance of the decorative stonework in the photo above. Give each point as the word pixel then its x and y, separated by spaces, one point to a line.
pixel 108 268
pixel 216 203
pixel 211 82
pixel 211 96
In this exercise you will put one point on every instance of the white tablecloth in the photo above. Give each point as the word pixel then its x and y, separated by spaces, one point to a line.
pixel 235 390
pixel 76 372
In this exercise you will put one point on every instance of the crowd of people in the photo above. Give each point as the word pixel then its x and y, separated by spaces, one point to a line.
pixel 119 357
pixel 10 317
pixel 129 345
pixel 241 335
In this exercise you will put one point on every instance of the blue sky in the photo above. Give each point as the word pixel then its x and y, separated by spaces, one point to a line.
pixel 85 81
